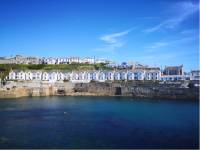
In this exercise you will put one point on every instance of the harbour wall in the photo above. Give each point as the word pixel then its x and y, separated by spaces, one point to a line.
pixel 136 89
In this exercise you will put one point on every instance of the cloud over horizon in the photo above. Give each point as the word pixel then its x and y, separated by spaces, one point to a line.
pixel 113 38
pixel 113 41
pixel 185 10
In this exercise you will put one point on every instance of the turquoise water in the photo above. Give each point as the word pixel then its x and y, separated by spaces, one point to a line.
pixel 98 122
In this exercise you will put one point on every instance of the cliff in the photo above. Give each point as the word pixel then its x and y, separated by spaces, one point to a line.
pixel 137 89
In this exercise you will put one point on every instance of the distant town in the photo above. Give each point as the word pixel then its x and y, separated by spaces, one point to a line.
pixel 124 71
pixel 19 59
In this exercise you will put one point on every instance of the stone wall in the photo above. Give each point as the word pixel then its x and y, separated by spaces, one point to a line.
pixel 138 89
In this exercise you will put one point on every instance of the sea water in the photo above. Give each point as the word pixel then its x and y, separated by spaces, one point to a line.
pixel 98 122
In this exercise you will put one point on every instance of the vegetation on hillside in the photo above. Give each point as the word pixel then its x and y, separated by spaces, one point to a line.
pixel 4 72
pixel 53 67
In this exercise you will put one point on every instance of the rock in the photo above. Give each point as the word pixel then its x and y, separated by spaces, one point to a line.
pixel 137 89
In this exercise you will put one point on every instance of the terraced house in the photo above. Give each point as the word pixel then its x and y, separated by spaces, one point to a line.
pixel 84 76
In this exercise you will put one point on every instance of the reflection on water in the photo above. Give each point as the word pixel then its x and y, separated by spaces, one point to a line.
pixel 98 122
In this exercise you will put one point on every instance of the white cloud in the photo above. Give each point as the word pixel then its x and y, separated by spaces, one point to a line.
pixel 185 9
pixel 112 41
pixel 113 38
pixel 190 32
pixel 158 45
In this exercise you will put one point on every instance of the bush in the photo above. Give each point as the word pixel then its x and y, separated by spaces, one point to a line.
pixel 70 67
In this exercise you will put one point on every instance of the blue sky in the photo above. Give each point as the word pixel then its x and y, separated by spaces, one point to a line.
pixel 155 32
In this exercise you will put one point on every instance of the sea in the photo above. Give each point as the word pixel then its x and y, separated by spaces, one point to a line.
pixel 98 122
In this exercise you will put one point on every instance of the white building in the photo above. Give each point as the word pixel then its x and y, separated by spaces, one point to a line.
pixel 152 75
pixel 87 60
pixel 61 61
pixel 117 75
pixel 50 61
pixel 28 75
pixel 101 60
pixel 73 60
pixel 60 76
pixel 110 75
pixel 67 75
pixel 130 75
pixel 53 76
pixel 45 76
pixel 87 76
pixel 195 75
pixel 139 74
pixel 36 75
pixel 174 77
pixel 20 75
pixel 123 75
pixel 101 76
pixel 12 75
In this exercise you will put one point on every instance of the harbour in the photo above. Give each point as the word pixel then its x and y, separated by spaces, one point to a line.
pixel 103 122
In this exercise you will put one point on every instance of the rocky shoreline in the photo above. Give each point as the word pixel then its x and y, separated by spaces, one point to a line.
pixel 137 89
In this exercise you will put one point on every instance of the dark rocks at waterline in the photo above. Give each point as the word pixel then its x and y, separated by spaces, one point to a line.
pixel 139 89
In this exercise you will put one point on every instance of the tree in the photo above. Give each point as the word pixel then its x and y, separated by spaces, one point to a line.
pixel 4 74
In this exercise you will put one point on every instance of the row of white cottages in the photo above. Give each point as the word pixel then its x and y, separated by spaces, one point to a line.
pixel 85 76
pixel 69 60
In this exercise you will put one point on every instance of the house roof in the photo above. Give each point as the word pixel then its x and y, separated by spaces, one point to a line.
pixel 173 67
pixel 195 71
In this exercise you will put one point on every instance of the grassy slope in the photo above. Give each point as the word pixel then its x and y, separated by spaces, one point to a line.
pixel 53 67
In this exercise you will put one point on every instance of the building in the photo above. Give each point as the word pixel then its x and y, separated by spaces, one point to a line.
pixel 101 60
pixel 84 76
pixel 45 76
pixel 36 75
pixel 195 75
pixel 73 60
pixel 18 59
pixel 50 61
pixel 87 60
pixel 130 75
pixel 28 75
pixel 20 75
pixel 144 72
pixel 138 74
pixel 60 76
pixel 61 61
pixel 174 77
pixel 4 60
pixel 53 76
pixel 152 74
pixel 12 75
pixel 136 66
pixel 123 65
pixel 112 65
pixel 101 76
pixel 32 60
pixel 173 70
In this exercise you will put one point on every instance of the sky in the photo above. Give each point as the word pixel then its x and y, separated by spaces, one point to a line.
pixel 154 32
